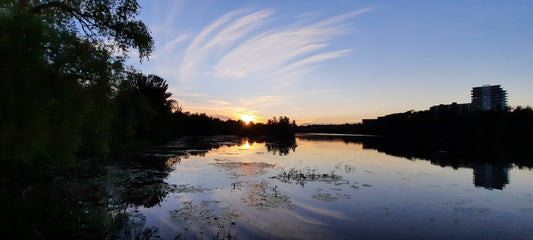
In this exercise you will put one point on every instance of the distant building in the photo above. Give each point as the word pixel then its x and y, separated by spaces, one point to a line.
pixel 454 108
pixel 489 98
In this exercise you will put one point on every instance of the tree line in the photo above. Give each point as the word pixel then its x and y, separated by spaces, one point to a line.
pixel 70 106
pixel 509 129
pixel 66 93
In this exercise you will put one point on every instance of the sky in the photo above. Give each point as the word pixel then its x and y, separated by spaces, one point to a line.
pixel 336 61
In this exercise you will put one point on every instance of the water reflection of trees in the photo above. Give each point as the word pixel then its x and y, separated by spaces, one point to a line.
pixel 282 147
pixel 346 138
pixel 141 183
pixel 490 166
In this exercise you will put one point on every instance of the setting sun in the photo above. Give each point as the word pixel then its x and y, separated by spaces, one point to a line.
pixel 247 118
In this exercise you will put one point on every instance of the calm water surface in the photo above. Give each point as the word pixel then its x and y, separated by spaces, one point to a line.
pixel 327 188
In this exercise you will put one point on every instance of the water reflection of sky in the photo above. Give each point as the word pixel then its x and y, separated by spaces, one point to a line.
pixel 333 189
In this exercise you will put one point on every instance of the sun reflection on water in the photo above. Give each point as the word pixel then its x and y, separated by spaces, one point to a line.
pixel 324 187
pixel 246 145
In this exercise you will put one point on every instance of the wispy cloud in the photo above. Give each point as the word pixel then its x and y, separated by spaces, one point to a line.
pixel 299 67
pixel 169 46
pixel 233 47
pixel 309 14
pixel 237 29
pixel 260 101
pixel 202 45
pixel 217 103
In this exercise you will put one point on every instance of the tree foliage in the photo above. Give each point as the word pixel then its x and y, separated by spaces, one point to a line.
pixel 111 22
pixel 65 93
pixel 67 101
pixel 475 129
pixel 38 107
pixel 59 78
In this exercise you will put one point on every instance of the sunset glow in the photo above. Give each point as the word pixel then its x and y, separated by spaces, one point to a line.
pixel 325 63
pixel 247 118
pixel 246 145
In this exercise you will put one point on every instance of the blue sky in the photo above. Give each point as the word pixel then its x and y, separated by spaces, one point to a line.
pixel 337 61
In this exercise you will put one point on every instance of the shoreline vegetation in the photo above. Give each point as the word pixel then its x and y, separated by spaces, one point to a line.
pixel 479 130
pixel 450 138
pixel 72 112
pixel 450 157
pixel 68 95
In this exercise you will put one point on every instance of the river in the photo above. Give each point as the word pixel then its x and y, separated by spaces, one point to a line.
pixel 327 187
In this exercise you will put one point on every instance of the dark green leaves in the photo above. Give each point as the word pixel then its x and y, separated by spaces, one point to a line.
pixel 109 23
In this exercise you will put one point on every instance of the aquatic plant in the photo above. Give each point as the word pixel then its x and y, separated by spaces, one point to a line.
pixel 300 177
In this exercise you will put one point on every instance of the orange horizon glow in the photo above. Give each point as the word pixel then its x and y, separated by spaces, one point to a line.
pixel 247 118
pixel 246 145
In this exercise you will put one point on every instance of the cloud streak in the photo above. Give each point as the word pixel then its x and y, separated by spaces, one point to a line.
pixel 169 46
pixel 236 46
pixel 202 45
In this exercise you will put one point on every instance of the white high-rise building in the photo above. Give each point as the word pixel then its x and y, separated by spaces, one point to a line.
pixel 489 98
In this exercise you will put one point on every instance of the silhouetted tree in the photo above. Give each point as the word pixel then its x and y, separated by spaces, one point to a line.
pixel 39 108
pixel 445 130
pixel 154 88
pixel 111 23
pixel 59 74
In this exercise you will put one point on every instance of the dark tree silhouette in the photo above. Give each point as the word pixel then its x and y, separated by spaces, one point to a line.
pixel 154 88
pixel 99 20
pixel 69 105
pixel 445 130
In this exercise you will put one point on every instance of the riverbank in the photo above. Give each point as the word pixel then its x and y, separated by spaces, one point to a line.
pixel 506 130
